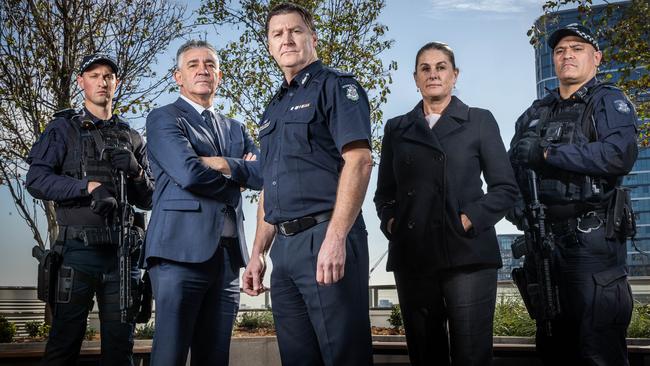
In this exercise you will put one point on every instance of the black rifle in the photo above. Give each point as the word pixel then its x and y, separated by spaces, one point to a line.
pixel 542 297
pixel 124 251
pixel 131 226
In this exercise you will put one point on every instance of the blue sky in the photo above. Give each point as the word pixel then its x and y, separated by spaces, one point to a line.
pixel 497 72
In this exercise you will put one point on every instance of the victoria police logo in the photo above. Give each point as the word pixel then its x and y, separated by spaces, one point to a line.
pixel 351 92
pixel 621 106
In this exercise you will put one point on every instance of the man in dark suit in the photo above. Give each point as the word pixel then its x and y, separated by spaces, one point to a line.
pixel 195 243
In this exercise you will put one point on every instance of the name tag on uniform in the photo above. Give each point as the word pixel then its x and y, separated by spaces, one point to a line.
pixel 300 106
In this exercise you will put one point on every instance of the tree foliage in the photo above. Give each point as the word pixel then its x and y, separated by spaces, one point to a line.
pixel 625 28
pixel 349 38
pixel 41 45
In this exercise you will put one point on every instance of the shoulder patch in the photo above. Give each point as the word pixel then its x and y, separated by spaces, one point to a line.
pixel 351 92
pixel 622 106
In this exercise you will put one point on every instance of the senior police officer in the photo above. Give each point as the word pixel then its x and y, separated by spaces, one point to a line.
pixel 316 163
pixel 581 140
pixel 68 166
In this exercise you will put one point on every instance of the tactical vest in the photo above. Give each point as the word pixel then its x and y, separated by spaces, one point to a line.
pixel 570 122
pixel 88 156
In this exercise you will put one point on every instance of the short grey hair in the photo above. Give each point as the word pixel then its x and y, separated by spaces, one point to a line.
pixel 191 44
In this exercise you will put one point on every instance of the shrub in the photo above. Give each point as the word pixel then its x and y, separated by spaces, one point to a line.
pixel 640 324
pixel 512 319
pixel 395 318
pixel 33 328
pixel 44 330
pixel 146 331
pixel 90 333
pixel 251 320
pixel 7 330
pixel 36 329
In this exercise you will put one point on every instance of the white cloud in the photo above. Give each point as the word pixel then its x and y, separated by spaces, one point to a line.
pixel 492 6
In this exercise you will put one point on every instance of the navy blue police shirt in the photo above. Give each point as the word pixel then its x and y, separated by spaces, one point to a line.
pixel 614 151
pixel 302 134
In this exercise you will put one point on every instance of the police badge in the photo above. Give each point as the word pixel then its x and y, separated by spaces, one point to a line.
pixel 351 92
pixel 621 106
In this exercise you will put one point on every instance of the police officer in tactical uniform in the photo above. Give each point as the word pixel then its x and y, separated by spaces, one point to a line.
pixel 316 164
pixel 77 163
pixel 580 140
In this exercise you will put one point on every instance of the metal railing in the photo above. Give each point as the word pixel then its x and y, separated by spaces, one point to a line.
pixel 20 304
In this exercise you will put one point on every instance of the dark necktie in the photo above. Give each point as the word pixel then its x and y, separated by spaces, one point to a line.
pixel 208 122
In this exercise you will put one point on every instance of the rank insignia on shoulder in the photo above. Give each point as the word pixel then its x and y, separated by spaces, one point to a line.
pixel 351 92
pixel 622 106
pixel 264 125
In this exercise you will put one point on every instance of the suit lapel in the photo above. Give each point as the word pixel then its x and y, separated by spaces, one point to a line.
pixel 223 125
pixel 195 120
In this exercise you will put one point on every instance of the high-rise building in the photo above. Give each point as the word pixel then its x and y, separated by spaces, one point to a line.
pixel 509 262
pixel 639 179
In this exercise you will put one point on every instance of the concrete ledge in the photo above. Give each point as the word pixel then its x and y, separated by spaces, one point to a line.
pixel 263 351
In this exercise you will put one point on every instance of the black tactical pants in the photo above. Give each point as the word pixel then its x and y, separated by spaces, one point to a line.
pixel 595 301
pixel 87 271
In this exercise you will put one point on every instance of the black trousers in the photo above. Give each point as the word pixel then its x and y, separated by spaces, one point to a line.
pixel 448 316
pixel 595 302
pixel 88 271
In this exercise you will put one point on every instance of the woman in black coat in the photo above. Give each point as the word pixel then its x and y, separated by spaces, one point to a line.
pixel 443 248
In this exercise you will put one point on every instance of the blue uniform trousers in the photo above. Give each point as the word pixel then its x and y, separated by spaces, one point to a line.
pixel 196 306
pixel 86 271
pixel 321 325
pixel 595 302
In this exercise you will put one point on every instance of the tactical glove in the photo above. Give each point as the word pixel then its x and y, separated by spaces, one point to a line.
pixel 529 150
pixel 125 161
pixel 103 202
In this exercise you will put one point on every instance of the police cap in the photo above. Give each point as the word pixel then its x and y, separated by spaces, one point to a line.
pixel 573 29
pixel 98 58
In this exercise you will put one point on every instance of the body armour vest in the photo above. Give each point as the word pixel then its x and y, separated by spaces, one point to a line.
pixel 89 155
pixel 569 121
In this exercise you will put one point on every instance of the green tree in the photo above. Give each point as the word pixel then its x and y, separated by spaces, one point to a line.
pixel 41 45
pixel 349 38
pixel 625 28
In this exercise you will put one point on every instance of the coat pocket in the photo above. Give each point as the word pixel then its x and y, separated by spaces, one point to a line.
pixel 180 205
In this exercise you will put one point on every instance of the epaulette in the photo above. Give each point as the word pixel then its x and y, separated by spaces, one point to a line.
pixel 67 113
pixel 341 73
pixel 547 100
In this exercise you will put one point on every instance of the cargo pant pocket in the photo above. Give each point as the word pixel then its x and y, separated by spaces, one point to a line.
pixel 612 298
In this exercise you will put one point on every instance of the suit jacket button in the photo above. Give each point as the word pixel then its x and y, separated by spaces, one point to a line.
pixel 411 192
pixel 411 224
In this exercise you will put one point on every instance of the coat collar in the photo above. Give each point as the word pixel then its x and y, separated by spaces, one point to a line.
pixel 452 119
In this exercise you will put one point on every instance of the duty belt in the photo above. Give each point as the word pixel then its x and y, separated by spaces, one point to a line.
pixel 585 223
pixel 293 227
pixel 91 235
